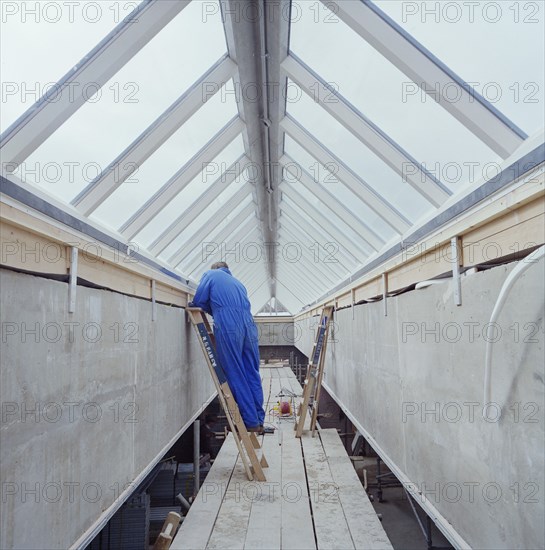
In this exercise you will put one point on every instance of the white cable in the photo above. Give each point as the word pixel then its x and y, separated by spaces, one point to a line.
pixel 521 267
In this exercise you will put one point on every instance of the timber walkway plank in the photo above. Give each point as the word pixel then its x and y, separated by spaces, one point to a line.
pixel 312 498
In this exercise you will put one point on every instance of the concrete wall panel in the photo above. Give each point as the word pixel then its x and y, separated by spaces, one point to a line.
pixel 110 389
pixel 483 476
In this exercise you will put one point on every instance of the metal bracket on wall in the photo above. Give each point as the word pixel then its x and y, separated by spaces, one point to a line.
pixel 73 279
pixel 153 302
pixel 455 260
pixel 385 293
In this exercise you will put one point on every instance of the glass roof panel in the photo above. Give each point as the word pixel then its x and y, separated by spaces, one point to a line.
pixel 381 92
pixel 166 161
pixel 194 190
pixel 188 236
pixel 244 255
pixel 65 32
pixel 502 53
pixel 338 255
pixel 322 176
pixel 316 247
pixel 358 157
pixel 340 224
pixel 126 105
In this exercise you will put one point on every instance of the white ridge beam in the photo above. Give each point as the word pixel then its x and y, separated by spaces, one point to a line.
pixel 385 148
pixel 154 136
pixel 433 76
pixel 28 132
pixel 182 178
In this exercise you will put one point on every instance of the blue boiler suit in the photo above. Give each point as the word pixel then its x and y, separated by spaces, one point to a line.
pixel 226 299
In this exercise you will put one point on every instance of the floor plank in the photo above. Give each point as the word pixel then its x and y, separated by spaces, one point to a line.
pixel 265 524
pixel 232 522
pixel 330 525
pixel 365 527
pixel 281 513
pixel 205 508
pixel 297 526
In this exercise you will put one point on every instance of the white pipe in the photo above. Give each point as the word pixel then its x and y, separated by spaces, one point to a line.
pixel 521 267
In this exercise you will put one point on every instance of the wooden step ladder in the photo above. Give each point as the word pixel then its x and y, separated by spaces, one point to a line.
pixel 247 442
pixel 315 374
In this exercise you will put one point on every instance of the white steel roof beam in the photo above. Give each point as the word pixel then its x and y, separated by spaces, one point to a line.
pixel 205 232
pixel 250 273
pixel 314 269
pixel 368 133
pixel 340 209
pixel 325 260
pixel 247 229
pixel 296 219
pixel 199 255
pixel 291 300
pixel 27 133
pixel 154 136
pixel 222 211
pixel 195 261
pixel 350 179
pixel 182 178
pixel 297 282
pixel 428 72
pixel 295 235
pixel 296 214
pixel 331 226
pixel 228 250
pixel 199 205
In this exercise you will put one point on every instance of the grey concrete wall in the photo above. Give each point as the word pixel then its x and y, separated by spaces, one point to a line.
pixel 418 395
pixel 275 333
pixel 106 404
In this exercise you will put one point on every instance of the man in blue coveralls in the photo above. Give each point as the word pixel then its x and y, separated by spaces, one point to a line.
pixel 226 299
